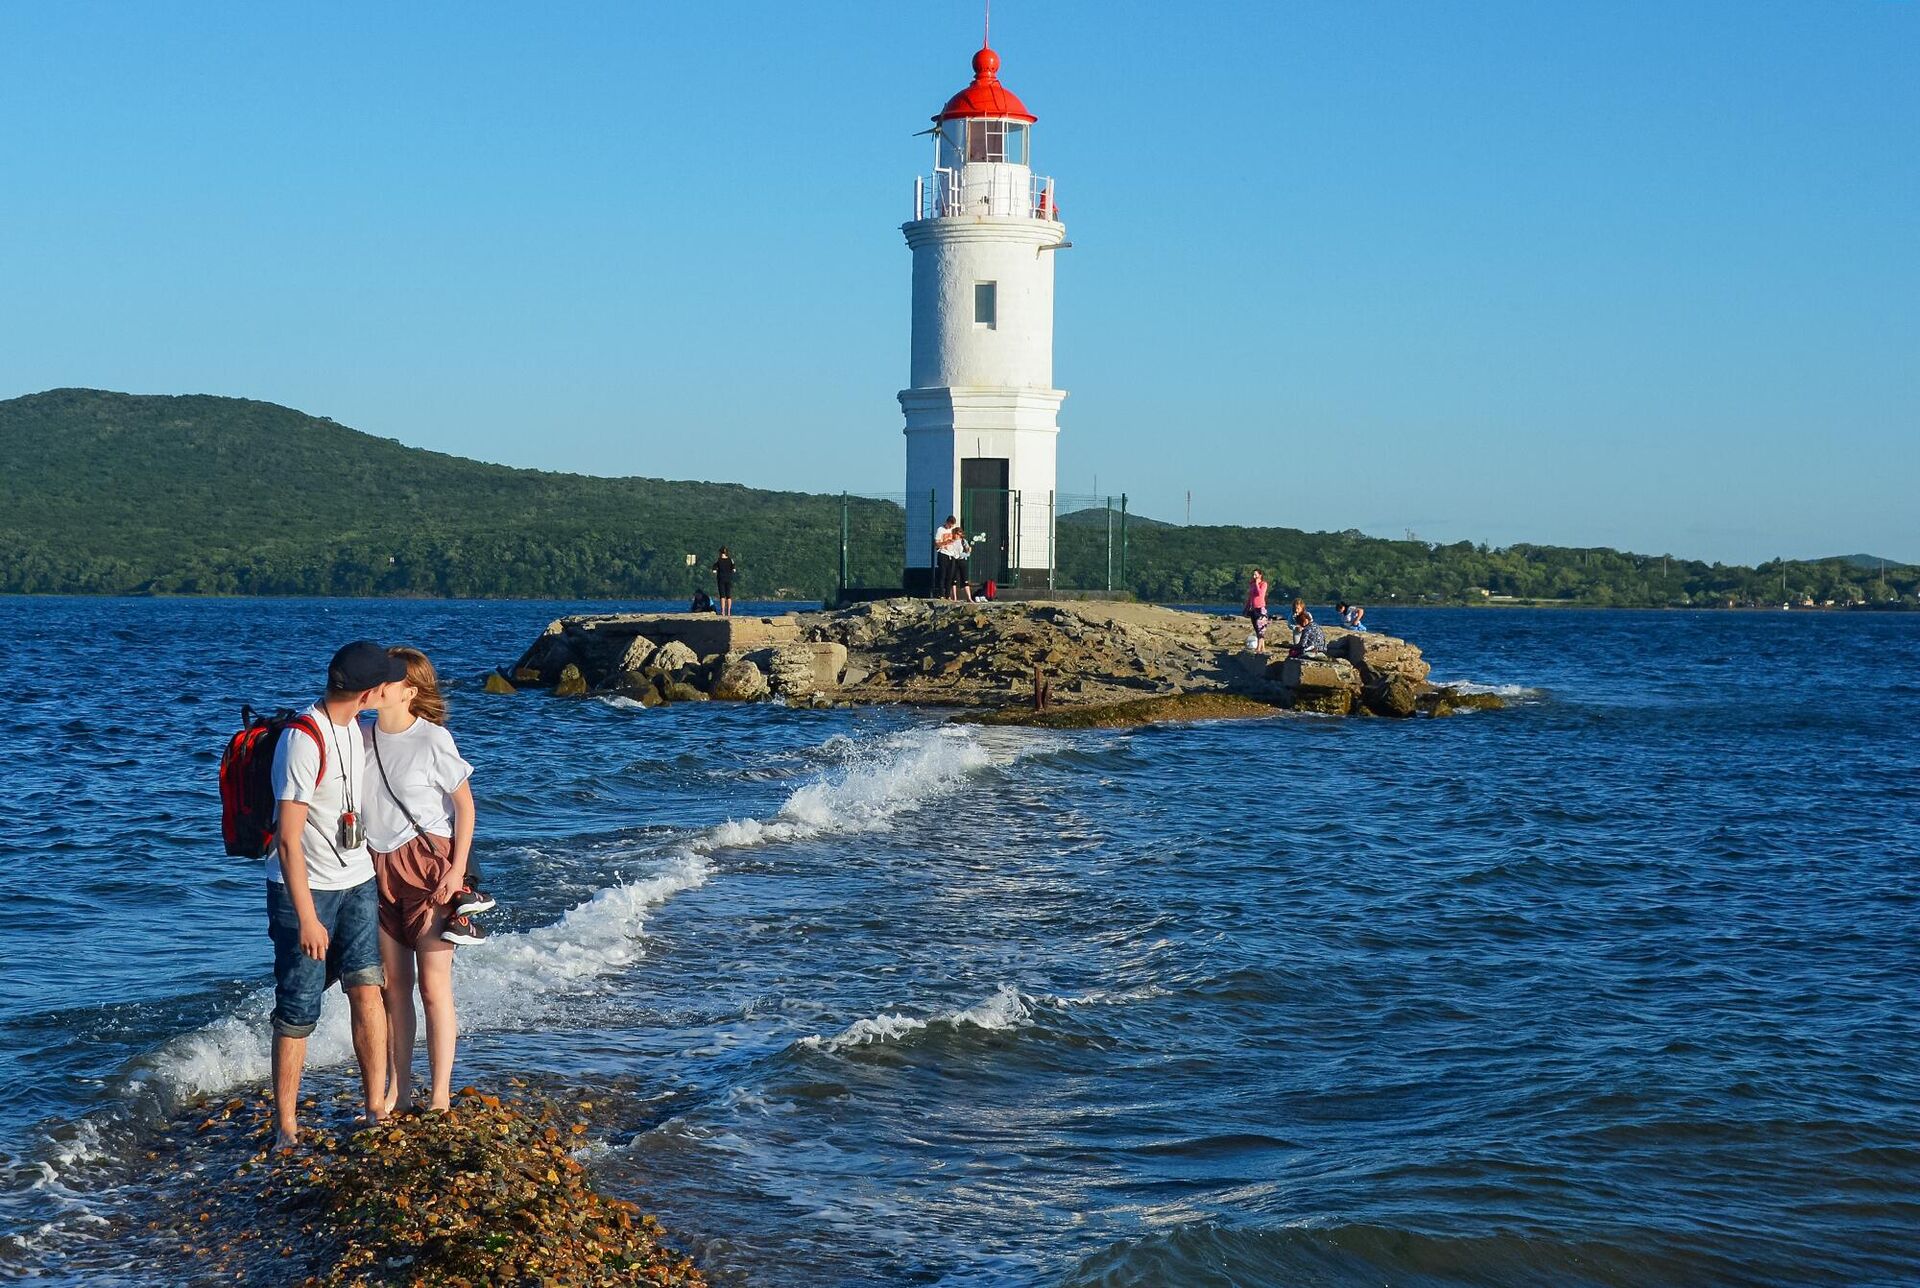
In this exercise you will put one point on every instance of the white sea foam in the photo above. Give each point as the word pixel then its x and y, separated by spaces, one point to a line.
pixel 1109 997
pixel 498 984
pixel 514 978
pixel 873 786
pixel 622 702
pixel 1007 1009
pixel 1498 690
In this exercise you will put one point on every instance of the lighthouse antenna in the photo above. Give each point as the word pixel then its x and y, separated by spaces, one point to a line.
pixel 986 29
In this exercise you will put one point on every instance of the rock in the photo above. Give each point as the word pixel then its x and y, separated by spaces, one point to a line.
pixel 911 651
pixel 1391 695
pixel 802 669
pixel 1250 665
pixel 740 681
pixel 635 655
pixel 1319 673
pixel 497 683
pixel 680 691
pixel 631 684
pixel 545 660
pixel 673 657
pixel 1379 656
pixel 571 684
pixel 1331 686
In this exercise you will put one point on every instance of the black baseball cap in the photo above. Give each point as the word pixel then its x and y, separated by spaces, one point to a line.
pixel 363 665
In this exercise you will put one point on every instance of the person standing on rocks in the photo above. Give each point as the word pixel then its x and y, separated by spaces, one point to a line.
pixel 420 824
pixel 723 570
pixel 323 910
pixel 1257 610
pixel 947 544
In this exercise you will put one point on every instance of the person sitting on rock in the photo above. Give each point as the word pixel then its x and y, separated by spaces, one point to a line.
pixel 1350 615
pixel 1309 641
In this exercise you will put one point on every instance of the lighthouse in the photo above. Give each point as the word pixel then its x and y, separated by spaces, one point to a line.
pixel 982 415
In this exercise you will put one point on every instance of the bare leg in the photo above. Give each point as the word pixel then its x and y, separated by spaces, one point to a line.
pixel 398 959
pixel 289 1058
pixel 370 1045
pixel 435 956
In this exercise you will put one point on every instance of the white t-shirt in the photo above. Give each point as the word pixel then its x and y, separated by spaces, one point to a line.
pixel 297 777
pixel 424 768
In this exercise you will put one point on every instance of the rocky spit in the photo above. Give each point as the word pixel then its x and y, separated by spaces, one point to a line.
pixel 1155 662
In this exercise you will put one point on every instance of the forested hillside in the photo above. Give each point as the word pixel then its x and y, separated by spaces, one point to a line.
pixel 117 493
pixel 1175 564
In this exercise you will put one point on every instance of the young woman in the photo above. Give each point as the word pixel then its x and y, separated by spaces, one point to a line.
pixel 723 570
pixel 419 818
pixel 1257 610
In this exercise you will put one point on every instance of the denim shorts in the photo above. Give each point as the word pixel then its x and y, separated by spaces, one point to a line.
pixel 352 919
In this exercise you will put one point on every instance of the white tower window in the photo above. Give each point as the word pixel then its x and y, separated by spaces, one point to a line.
pixel 986 304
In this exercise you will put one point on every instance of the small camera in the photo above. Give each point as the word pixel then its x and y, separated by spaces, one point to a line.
pixel 352 834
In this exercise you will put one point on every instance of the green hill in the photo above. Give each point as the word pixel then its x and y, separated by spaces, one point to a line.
pixel 118 493
pixel 1174 564
pixel 115 493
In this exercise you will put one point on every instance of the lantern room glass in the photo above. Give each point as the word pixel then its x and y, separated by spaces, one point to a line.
pixel 981 139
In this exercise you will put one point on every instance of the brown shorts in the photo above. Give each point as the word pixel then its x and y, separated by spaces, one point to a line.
pixel 408 877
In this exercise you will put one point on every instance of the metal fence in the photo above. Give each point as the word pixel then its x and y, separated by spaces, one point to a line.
pixel 873 540
pixel 1090 542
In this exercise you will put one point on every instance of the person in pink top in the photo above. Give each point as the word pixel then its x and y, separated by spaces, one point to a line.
pixel 1257 610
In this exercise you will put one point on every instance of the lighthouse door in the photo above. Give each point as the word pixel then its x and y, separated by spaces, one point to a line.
pixel 985 513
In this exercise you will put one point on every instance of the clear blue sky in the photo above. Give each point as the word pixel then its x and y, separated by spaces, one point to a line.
pixel 1644 275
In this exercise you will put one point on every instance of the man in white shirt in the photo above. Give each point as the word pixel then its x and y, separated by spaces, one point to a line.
pixel 323 909
pixel 947 544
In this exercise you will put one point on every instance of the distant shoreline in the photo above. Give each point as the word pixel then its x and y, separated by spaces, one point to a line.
pixel 785 605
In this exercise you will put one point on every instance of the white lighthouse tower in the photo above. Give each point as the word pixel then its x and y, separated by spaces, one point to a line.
pixel 982 413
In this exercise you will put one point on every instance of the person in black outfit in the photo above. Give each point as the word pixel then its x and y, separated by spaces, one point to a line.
pixel 723 578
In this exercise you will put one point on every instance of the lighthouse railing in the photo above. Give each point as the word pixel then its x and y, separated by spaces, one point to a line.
pixel 1006 191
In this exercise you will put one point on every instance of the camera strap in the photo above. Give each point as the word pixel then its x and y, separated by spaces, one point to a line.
pixel 388 784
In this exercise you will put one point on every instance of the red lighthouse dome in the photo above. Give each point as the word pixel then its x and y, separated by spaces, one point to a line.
pixel 986 96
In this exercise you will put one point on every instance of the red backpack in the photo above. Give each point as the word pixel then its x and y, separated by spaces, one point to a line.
pixel 246 778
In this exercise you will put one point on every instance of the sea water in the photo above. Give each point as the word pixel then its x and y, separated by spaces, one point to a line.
pixel 1616 986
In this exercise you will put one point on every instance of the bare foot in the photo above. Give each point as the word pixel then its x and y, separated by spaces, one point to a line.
pixel 286 1138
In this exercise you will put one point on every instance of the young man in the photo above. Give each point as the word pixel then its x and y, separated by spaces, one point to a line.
pixel 323 910
pixel 946 543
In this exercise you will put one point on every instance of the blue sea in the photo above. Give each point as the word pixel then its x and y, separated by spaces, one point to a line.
pixel 1617 986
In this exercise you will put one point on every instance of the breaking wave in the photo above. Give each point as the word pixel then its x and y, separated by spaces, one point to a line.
pixel 1006 1010
pixel 1497 690
pixel 514 978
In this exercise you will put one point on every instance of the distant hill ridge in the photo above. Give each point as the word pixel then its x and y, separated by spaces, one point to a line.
pixel 132 493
